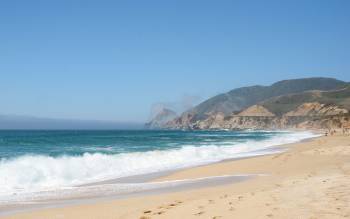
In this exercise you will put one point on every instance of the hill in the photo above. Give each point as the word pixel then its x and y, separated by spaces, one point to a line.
pixel 283 104
pixel 241 98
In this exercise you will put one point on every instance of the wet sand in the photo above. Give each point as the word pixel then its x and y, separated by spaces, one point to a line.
pixel 310 180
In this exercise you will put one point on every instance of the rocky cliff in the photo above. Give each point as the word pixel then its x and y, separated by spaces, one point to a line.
pixel 307 109
pixel 304 117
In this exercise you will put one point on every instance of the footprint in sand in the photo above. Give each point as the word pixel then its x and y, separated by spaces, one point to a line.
pixel 199 213
pixel 159 212
pixel 170 206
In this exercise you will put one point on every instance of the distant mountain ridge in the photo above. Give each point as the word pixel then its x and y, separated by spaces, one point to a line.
pixel 263 101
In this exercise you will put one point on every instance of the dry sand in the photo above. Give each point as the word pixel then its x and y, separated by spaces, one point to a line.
pixel 311 180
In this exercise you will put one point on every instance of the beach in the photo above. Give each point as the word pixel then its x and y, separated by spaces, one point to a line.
pixel 309 180
pixel 175 109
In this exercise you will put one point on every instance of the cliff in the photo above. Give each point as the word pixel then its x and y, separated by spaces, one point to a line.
pixel 306 109
pixel 318 119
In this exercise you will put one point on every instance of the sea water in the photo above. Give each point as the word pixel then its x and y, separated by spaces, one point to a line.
pixel 39 162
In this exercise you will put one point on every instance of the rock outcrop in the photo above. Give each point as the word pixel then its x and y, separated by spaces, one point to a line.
pixel 317 109
pixel 256 110
pixel 161 119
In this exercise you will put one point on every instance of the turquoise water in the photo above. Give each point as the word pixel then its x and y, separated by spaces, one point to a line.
pixel 33 161
pixel 75 143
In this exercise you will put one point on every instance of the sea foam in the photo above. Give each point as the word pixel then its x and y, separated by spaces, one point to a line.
pixel 33 173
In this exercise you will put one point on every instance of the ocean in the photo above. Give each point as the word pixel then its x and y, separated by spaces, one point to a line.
pixel 43 162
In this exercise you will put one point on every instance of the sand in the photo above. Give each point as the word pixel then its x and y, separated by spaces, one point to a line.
pixel 310 180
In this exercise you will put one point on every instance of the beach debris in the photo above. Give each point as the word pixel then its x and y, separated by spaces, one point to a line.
pixel 147 211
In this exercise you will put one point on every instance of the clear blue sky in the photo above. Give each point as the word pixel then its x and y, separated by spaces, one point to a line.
pixel 112 60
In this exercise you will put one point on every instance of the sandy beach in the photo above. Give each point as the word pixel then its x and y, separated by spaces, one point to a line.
pixel 310 180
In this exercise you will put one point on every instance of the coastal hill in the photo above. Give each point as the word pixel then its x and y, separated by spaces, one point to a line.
pixel 240 98
pixel 283 104
pixel 297 103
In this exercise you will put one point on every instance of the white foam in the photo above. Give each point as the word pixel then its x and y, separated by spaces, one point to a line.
pixel 117 189
pixel 33 173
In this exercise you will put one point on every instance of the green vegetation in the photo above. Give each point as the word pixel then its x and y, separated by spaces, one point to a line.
pixel 240 98
pixel 283 104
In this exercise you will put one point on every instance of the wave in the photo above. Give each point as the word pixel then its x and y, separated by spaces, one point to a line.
pixel 32 173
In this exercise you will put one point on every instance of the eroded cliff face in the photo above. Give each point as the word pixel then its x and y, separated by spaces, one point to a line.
pixel 256 110
pixel 317 109
pixel 283 122
pixel 307 116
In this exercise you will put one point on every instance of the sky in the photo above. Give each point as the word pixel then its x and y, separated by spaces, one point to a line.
pixel 114 60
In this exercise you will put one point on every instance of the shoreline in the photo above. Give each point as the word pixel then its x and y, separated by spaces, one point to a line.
pixel 161 188
pixel 251 165
pixel 150 178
